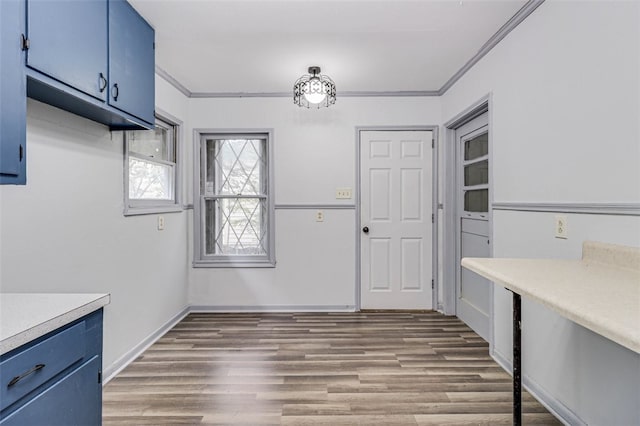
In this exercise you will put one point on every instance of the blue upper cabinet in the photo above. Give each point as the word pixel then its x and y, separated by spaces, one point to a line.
pixel 94 58
pixel 131 61
pixel 13 103
pixel 68 42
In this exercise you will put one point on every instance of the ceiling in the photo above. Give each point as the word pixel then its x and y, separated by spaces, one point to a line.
pixel 263 46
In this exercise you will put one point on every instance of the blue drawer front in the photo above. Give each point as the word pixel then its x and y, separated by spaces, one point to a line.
pixel 56 353
pixel 74 400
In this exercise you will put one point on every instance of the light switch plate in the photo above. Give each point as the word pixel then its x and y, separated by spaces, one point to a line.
pixel 343 193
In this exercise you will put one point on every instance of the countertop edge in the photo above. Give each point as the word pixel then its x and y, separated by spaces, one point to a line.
pixel 629 342
pixel 12 342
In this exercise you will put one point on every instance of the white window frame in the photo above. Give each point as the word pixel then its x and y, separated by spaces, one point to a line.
pixel 201 258
pixel 134 207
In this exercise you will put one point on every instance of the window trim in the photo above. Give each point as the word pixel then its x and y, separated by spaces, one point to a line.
pixel 143 207
pixel 200 259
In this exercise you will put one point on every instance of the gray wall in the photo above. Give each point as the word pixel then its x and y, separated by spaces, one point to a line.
pixel 565 94
pixel 64 232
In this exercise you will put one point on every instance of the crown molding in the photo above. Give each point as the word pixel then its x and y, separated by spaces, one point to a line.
pixel 172 81
pixel 509 26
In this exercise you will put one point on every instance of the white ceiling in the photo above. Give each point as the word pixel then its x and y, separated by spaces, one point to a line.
pixel 263 46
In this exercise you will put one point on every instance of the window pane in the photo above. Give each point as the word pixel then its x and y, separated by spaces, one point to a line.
pixel 235 166
pixel 476 147
pixel 235 226
pixel 150 181
pixel 152 143
pixel 476 173
pixel 476 201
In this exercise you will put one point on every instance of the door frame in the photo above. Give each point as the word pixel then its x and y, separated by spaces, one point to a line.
pixel 451 235
pixel 434 204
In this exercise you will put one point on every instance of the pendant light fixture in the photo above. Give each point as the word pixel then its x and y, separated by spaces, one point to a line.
pixel 314 90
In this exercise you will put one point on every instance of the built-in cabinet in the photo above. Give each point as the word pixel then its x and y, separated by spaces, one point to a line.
pixel 68 42
pixel 56 379
pixel 13 102
pixel 131 37
pixel 92 58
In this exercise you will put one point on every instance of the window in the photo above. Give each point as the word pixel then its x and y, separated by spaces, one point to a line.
pixel 150 166
pixel 234 215
pixel 475 165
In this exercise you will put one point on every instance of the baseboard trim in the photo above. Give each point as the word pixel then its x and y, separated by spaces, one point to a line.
pixel 272 308
pixel 557 408
pixel 121 363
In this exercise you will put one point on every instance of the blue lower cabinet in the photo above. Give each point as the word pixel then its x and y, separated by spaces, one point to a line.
pixel 74 400
pixel 55 379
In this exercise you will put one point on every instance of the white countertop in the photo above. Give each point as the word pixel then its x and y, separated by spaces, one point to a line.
pixel 601 291
pixel 25 317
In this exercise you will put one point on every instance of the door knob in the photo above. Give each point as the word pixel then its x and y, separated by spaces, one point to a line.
pixel 365 229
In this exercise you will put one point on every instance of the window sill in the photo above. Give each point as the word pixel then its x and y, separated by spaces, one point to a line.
pixel 137 211
pixel 213 264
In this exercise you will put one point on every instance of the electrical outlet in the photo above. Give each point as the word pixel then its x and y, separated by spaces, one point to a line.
pixel 160 223
pixel 343 193
pixel 561 227
pixel 319 216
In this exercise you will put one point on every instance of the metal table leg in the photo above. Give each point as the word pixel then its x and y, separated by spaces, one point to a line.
pixel 517 362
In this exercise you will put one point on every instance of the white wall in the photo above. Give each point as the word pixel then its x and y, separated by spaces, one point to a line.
pixel 314 155
pixel 65 230
pixel 565 129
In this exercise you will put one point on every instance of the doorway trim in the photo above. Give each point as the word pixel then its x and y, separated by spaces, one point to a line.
pixel 434 202
pixel 450 243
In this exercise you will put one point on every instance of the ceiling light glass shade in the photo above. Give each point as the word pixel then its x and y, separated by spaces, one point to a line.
pixel 314 89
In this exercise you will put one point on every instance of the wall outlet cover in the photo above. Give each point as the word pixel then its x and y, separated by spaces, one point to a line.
pixel 561 227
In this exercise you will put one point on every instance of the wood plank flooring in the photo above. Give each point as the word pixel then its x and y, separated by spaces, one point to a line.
pixel 379 368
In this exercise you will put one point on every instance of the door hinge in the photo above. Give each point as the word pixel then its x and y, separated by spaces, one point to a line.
pixel 99 376
pixel 432 284
pixel 433 143
pixel 432 218
pixel 24 42
pixel 21 153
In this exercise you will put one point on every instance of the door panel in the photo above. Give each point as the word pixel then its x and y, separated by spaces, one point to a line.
pixel 396 206
pixel 411 255
pixel 380 195
pixel 380 264
pixel 474 290
pixel 411 193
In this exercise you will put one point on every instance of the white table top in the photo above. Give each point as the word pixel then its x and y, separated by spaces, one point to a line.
pixel 25 317
pixel 601 291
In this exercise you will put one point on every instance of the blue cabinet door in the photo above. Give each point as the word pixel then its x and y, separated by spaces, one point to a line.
pixel 131 62
pixel 75 400
pixel 13 101
pixel 68 42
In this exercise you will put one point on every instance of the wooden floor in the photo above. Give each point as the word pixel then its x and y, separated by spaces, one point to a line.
pixel 384 368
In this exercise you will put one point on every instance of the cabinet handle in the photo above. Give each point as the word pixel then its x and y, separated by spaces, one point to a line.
pixel 115 92
pixel 103 83
pixel 16 379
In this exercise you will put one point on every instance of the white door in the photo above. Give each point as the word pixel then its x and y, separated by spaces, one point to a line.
pixel 473 291
pixel 396 219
